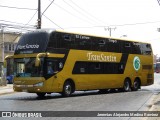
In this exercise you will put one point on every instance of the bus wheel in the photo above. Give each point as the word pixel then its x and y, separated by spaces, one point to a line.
pixel 127 85
pixel 136 85
pixel 67 89
pixel 41 95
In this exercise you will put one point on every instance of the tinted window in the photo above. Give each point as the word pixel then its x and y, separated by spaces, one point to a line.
pixel 99 44
pixel 34 42
pixel 69 41
pixel 61 40
pixel 83 43
pixel 74 41
pixel 136 48
pixel 146 49
pixel 113 45
pixel 126 47
pixel 97 68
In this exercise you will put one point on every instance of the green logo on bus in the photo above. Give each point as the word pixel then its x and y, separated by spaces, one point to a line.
pixel 136 63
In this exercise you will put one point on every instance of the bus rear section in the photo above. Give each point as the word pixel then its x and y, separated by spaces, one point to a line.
pixel 157 68
pixel 106 70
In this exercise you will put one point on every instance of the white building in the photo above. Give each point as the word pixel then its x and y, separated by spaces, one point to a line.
pixel 9 40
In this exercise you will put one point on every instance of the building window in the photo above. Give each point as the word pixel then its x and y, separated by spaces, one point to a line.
pixel 13 48
pixel 9 47
pixel 6 48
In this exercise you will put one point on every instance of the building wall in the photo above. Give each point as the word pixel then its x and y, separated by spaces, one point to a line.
pixel 10 41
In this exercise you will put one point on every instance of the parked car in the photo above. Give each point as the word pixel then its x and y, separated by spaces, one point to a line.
pixel 9 79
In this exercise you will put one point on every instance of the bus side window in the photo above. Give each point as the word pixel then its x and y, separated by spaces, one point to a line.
pixel 83 44
pixel 80 68
pixel 69 41
pixel 113 45
pixel 50 68
pixel 146 49
pixel 67 37
pixel 99 44
pixel 126 47
pixel 136 48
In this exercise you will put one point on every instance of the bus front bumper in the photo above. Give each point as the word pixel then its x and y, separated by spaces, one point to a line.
pixel 38 87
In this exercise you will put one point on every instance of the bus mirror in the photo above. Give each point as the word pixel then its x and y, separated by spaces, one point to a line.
pixel 38 61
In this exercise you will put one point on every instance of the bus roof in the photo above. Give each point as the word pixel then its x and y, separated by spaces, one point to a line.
pixel 64 31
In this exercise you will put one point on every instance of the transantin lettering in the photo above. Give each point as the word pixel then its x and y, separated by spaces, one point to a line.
pixel 101 57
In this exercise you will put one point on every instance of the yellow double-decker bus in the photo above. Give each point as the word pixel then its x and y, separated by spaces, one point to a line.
pixel 63 62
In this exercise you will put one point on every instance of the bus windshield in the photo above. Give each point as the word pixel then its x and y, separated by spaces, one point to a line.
pixel 25 67
pixel 32 43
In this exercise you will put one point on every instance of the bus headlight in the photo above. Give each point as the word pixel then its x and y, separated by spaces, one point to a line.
pixel 38 84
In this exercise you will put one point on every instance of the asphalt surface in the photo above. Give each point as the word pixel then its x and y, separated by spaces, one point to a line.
pixel 146 99
pixel 82 101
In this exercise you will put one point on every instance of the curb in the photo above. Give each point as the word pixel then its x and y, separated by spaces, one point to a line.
pixel 5 93
pixel 8 89
pixel 154 106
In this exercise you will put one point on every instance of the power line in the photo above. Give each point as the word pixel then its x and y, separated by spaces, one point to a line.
pixel 53 22
pixel 31 18
pixel 17 7
pixel 72 13
pixel 80 12
pixel 16 26
pixel 49 18
pixel 47 7
pixel 98 20
pixel 130 24
pixel 11 22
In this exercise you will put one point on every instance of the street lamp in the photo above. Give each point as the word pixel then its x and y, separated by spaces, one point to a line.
pixel 110 30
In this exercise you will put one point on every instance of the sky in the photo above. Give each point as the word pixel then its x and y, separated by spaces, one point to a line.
pixel 128 19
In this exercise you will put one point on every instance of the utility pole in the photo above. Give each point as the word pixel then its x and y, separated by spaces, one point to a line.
pixel 2 31
pixel 110 30
pixel 3 72
pixel 39 15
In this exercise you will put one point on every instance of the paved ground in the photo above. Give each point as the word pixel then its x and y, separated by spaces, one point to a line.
pixel 155 101
pixel 6 89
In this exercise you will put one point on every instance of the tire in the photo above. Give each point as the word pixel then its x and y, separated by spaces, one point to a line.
pixel 41 95
pixel 127 85
pixel 67 89
pixel 136 85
